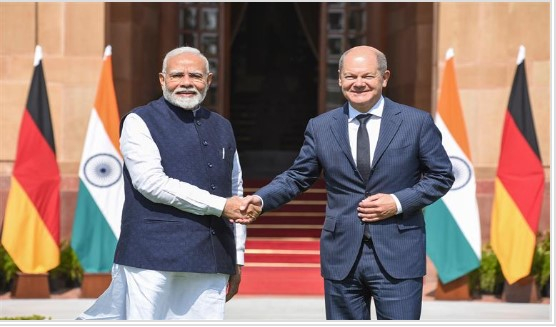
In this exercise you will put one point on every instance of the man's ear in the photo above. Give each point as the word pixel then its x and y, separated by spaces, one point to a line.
pixel 385 78
pixel 209 79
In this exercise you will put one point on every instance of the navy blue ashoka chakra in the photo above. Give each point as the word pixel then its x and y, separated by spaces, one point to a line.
pixel 462 172
pixel 102 170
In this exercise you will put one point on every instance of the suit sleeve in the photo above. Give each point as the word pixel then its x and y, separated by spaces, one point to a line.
pixel 305 170
pixel 436 170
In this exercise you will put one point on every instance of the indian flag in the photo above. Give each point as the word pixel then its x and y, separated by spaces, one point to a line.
pixel 452 223
pixel 100 198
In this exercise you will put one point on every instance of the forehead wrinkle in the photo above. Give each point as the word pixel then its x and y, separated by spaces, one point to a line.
pixel 186 61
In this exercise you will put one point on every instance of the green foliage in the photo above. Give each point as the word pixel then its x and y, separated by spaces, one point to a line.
pixel 541 260
pixel 8 268
pixel 491 279
pixel 33 317
pixel 488 278
pixel 69 268
pixel 474 283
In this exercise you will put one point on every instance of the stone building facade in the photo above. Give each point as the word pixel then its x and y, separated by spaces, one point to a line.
pixel 274 60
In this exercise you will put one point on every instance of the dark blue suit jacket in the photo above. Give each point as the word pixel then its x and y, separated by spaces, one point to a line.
pixel 409 161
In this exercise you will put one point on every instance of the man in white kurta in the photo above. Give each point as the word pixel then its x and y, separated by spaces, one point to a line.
pixel 137 292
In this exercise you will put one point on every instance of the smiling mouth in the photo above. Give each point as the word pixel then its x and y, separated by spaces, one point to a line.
pixel 186 93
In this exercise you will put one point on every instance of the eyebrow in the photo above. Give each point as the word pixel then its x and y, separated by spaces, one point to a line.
pixel 182 72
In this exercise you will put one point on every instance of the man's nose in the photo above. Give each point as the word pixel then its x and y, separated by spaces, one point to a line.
pixel 359 81
pixel 185 80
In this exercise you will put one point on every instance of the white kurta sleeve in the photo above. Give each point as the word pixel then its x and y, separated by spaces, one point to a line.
pixel 143 161
pixel 240 229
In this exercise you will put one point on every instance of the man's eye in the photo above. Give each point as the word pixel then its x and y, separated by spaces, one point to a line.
pixel 176 76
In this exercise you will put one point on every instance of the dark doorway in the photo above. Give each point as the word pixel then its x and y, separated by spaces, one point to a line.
pixel 273 86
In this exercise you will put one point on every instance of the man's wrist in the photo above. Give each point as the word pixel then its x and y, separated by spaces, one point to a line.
pixel 217 207
pixel 261 199
pixel 398 204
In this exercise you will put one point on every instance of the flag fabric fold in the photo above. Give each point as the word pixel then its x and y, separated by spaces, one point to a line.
pixel 519 184
pixel 31 227
pixel 453 222
pixel 100 197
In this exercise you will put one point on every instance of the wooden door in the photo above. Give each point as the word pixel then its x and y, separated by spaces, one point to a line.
pixel 343 25
pixel 206 26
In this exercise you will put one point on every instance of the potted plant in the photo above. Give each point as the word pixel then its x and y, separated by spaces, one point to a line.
pixel 474 278
pixel 491 279
pixel 69 273
pixel 541 264
pixel 8 270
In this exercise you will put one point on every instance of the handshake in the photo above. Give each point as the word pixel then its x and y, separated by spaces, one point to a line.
pixel 242 210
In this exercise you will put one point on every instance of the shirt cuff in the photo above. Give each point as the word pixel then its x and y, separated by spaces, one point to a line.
pixel 240 255
pixel 398 204
pixel 262 202
pixel 217 206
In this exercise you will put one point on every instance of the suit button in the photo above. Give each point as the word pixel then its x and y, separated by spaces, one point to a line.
pixel 205 143
pixel 198 122
pixel 212 187
pixel 212 232
pixel 210 165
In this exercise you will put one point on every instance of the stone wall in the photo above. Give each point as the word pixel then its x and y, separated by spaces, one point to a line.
pixel 485 37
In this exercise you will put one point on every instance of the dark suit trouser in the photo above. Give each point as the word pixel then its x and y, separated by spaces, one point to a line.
pixel 350 299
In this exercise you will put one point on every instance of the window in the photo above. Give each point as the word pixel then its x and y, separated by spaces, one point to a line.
pixel 199 27
pixel 343 26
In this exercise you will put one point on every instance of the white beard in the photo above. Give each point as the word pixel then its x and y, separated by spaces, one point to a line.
pixel 185 103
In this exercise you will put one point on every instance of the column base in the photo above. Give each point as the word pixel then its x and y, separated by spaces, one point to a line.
pixel 31 286
pixel 94 284
pixel 456 290
pixel 523 291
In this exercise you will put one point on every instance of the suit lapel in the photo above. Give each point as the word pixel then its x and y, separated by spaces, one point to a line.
pixel 339 127
pixel 389 125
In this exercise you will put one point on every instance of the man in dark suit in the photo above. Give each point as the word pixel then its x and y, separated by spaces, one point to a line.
pixel 378 178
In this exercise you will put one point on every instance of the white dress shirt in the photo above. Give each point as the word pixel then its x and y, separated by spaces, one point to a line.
pixel 373 129
pixel 143 161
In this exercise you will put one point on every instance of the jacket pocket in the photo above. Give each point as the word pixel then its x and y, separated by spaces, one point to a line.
pixel 162 221
pixel 329 224
pixel 414 222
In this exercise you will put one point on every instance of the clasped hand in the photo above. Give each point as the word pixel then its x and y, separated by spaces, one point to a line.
pixel 376 207
pixel 242 210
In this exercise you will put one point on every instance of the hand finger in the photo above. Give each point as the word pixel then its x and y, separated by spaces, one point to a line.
pixel 233 287
pixel 245 202
pixel 231 292
pixel 254 208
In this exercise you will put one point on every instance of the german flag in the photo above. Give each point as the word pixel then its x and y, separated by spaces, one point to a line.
pixel 31 230
pixel 519 184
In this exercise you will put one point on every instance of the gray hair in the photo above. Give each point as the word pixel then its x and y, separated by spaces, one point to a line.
pixel 180 50
pixel 380 58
